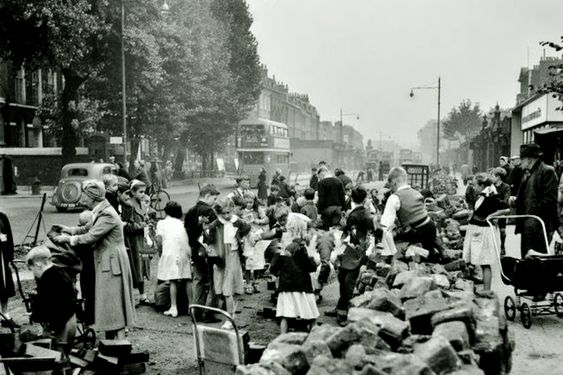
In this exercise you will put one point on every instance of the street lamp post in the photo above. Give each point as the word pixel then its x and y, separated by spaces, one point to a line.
pixel 439 88
pixel 123 93
pixel 342 115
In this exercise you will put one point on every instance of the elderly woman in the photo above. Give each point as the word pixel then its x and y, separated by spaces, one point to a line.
pixel 114 286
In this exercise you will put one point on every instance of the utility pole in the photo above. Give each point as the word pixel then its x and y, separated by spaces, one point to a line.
pixel 123 93
pixel 438 132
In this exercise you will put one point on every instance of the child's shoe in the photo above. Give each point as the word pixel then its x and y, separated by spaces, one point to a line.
pixel 173 312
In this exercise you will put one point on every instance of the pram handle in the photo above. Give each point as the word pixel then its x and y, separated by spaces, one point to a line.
pixel 492 217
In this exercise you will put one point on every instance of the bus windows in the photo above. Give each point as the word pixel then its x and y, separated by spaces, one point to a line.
pixel 253 157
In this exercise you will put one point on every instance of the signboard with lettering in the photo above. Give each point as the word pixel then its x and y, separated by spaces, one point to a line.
pixel 418 175
pixel 542 110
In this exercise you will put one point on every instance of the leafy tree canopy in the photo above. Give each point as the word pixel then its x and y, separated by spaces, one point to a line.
pixel 463 122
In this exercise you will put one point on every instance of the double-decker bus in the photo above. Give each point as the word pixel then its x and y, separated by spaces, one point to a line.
pixel 263 143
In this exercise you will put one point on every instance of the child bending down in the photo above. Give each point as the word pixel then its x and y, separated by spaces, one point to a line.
pixel 55 303
pixel 478 247
pixel 296 299
pixel 174 264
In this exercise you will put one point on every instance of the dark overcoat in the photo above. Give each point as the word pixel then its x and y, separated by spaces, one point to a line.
pixel 537 196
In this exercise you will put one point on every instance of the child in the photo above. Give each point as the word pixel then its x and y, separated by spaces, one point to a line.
pixel 274 194
pixel 296 299
pixel 55 303
pixel 225 236
pixel 358 225
pixel 478 244
pixel 255 216
pixel 174 264
pixel 309 208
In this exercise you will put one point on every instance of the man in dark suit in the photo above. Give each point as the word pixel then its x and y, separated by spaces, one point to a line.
pixel 331 199
pixel 537 196
pixel 515 176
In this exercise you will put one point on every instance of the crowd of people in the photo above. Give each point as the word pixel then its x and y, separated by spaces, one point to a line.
pixel 301 238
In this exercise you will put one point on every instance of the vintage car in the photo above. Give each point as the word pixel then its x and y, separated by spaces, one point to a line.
pixel 69 189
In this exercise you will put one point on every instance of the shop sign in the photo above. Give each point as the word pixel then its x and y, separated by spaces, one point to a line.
pixel 542 110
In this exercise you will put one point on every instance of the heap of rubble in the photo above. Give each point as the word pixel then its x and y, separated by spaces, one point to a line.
pixel 409 318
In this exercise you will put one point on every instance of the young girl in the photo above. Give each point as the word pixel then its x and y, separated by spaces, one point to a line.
pixel 478 244
pixel 174 263
pixel 296 299
pixel 255 216
pixel 225 236
pixel 135 218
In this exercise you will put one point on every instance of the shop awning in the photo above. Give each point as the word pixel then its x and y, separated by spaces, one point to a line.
pixel 546 131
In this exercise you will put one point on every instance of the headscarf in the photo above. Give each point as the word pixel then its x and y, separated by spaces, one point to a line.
pixel 94 189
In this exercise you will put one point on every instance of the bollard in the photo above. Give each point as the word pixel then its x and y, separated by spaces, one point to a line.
pixel 36 187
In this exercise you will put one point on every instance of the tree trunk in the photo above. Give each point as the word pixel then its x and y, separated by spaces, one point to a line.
pixel 180 156
pixel 69 94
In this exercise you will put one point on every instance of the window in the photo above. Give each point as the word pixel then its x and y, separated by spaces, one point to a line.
pixel 281 159
pixel 253 158
pixel 78 172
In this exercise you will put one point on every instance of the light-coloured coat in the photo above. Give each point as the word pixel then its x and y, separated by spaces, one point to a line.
pixel 114 305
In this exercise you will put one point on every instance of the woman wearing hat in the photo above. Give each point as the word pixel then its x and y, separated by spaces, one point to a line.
pixel 114 286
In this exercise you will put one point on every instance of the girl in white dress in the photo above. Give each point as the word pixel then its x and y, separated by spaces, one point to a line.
pixel 174 264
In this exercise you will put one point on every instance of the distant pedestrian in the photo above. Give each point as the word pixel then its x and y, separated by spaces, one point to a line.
pixel 503 191
pixel 122 171
pixel 341 175
pixel 505 164
pixel 276 177
pixel 285 189
pixel 111 185
pixel 516 175
pixel 314 181
pixel 262 186
pixel 140 173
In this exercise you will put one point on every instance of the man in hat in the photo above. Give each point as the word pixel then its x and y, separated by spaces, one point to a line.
pixel 537 195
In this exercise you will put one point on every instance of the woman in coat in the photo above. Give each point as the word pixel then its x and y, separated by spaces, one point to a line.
pixel 7 289
pixel 114 287
pixel 135 217
pixel 262 187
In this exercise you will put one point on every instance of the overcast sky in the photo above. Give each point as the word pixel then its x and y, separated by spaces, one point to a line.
pixel 365 55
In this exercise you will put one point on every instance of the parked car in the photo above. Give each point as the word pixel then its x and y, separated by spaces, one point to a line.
pixel 69 189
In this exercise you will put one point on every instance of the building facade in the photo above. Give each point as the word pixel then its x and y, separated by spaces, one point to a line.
pixel 493 140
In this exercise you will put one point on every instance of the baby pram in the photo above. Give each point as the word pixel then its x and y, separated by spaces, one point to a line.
pixel 533 278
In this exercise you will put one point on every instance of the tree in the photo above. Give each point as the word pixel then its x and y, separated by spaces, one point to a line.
pixel 555 84
pixel 69 37
pixel 463 122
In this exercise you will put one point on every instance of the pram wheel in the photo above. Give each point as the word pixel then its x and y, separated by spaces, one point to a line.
pixel 509 308
pixel 526 315
pixel 558 304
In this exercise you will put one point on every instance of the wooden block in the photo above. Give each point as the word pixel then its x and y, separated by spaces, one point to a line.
pixel 106 364
pixel 37 351
pixel 44 343
pixel 90 355
pixel 135 357
pixel 115 348
pixel 77 361
pixel 133 369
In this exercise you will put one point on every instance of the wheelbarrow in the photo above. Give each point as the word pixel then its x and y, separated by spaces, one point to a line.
pixel 218 351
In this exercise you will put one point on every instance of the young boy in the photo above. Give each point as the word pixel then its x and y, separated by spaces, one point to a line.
pixel 274 194
pixel 358 225
pixel 407 205
pixel 55 304
pixel 309 208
